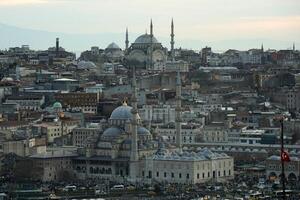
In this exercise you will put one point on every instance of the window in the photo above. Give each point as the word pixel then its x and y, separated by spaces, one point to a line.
pixel 157 174
pixel 203 175
pixel 198 176
pixel 208 175
pixel 224 173
pixel 172 175
pixel 143 173
pixel 219 173
pixel 229 172
pixel 165 174
pixel 179 175
pixel 187 176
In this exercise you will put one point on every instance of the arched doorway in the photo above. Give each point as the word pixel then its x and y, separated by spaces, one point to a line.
pixel 292 177
pixel 272 176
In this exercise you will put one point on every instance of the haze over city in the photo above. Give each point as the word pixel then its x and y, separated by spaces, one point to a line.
pixel 217 23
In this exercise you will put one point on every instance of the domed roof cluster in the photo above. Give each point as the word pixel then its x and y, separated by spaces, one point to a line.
pixel 145 39
pixel 203 154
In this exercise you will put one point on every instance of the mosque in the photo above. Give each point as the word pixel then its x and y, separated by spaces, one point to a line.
pixel 127 151
pixel 147 50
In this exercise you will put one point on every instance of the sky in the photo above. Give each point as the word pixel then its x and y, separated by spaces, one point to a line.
pixel 205 20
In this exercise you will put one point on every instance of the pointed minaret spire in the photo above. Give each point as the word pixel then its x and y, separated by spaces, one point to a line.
pixel 135 122
pixel 262 47
pixel 151 28
pixel 172 41
pixel 294 46
pixel 178 112
pixel 126 40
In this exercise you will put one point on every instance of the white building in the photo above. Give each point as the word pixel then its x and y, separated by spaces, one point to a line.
pixel 189 132
pixel 27 102
pixel 188 167
pixel 157 113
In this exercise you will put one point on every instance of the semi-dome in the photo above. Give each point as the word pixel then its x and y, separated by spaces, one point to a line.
pixel 145 39
pixel 143 131
pixel 112 132
pixel 113 46
pixel 122 112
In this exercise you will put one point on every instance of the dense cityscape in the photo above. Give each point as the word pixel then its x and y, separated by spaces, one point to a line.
pixel 149 122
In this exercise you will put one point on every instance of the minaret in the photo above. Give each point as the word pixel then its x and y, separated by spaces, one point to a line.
pixel 57 46
pixel 294 46
pixel 178 113
pixel 134 156
pixel 151 28
pixel 126 40
pixel 262 47
pixel 151 45
pixel 172 41
pixel 134 111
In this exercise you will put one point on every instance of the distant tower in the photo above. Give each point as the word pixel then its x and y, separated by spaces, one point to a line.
pixel 172 41
pixel 178 112
pixel 134 157
pixel 262 47
pixel 57 46
pixel 294 46
pixel 126 40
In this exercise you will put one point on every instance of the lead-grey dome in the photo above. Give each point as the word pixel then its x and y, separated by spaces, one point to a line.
pixel 113 46
pixel 145 39
pixel 122 112
pixel 112 132
pixel 143 131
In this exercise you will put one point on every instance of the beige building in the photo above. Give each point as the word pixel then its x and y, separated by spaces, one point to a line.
pixel 56 129
pixel 80 135
pixel 215 132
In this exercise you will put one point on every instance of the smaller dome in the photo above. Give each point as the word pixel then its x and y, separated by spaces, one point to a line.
pixel 113 46
pixel 86 64
pixel 57 105
pixel 112 132
pixel 143 131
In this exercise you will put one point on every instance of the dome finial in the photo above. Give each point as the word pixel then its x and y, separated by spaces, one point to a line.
pixel 124 102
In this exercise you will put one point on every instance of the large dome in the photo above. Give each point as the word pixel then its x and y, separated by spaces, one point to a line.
pixel 122 112
pixel 145 39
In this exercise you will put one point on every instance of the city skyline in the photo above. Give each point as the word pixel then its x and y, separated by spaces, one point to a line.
pixel 274 22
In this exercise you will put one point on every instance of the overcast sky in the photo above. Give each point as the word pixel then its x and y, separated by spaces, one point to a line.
pixel 206 20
